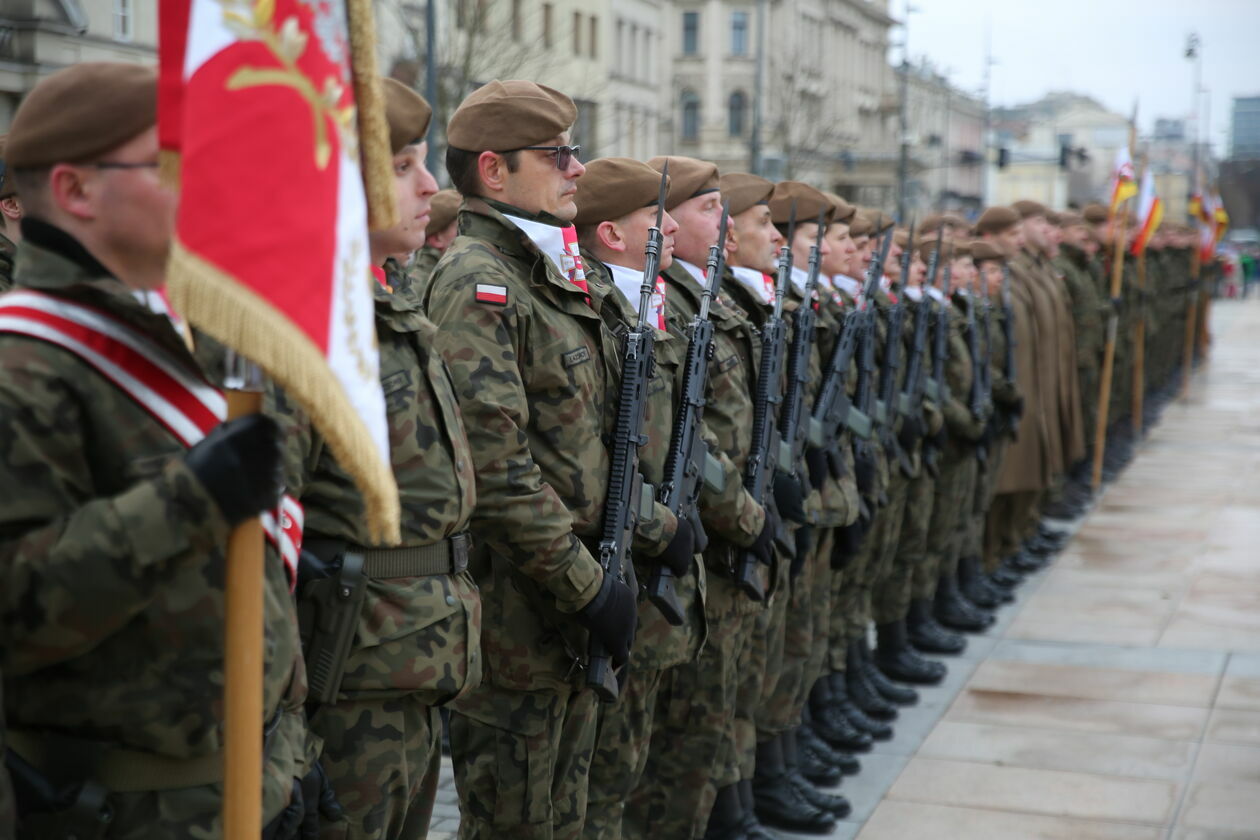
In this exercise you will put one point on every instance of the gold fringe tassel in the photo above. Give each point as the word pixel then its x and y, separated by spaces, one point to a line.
pixel 374 150
pixel 168 168
pixel 236 316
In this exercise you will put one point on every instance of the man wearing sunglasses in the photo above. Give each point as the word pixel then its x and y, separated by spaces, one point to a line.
pixel 531 358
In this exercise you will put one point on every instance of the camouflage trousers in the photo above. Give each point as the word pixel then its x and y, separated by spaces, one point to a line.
pixel 913 570
pixel 1007 523
pixel 693 748
pixel 804 608
pixel 1088 378
pixel 765 665
pixel 382 758
pixel 880 567
pixel 622 744
pixel 975 542
pixel 846 599
pixel 522 760
pixel 951 509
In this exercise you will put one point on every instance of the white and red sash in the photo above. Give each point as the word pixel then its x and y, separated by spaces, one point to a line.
pixel 184 403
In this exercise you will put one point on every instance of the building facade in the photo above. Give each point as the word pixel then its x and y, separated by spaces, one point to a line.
pixel 1244 128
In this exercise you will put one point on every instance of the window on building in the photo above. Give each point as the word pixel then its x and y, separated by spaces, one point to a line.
pixel 577 33
pixel 516 20
pixel 619 47
pixel 584 129
pixel 124 20
pixel 736 113
pixel 548 14
pixel 691 33
pixel 592 39
pixel 690 115
pixel 739 33
pixel 632 54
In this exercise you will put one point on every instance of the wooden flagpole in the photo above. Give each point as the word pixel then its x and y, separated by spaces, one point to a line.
pixel 1109 353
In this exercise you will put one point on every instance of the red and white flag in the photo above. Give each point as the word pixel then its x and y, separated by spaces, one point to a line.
pixel 1123 180
pixel 1150 213
pixel 257 104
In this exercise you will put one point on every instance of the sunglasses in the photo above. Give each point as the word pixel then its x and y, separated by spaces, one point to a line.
pixel 564 154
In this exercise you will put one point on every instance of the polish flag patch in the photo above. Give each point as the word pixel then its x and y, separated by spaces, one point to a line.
pixel 489 293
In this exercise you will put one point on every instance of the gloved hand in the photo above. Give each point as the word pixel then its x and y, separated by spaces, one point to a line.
pixel 864 469
pixel 680 551
pixel 835 462
pixel 804 545
pixel 611 617
pixel 816 466
pixel 239 465
pixel 313 798
pixel 763 546
pixel 789 497
pixel 911 430
pixel 849 540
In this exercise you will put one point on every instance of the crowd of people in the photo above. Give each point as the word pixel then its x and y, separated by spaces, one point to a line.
pixel 802 610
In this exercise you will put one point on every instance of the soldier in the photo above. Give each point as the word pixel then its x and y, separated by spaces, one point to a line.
pixel 694 705
pixel 438 236
pixel 115 524
pixel 530 356
pixel 10 218
pixel 407 639
pixel 1088 312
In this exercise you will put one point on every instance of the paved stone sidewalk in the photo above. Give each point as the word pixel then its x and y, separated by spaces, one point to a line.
pixel 1119 697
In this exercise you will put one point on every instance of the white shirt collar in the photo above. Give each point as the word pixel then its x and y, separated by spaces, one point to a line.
pixel 936 294
pixel 548 239
pixel 694 270
pixel 845 283
pixel 915 293
pixel 629 281
pixel 754 280
pixel 799 278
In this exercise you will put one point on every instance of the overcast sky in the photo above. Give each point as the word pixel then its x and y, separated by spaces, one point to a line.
pixel 1114 50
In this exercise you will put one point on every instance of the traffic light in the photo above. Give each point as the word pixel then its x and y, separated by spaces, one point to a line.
pixel 1004 157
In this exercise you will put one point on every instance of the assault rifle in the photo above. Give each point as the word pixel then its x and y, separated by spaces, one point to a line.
pixel 1008 332
pixel 978 399
pixel 628 498
pixel 937 388
pixel 795 420
pixel 686 466
pixel 911 404
pixel 886 407
pixel 864 398
pixel 763 455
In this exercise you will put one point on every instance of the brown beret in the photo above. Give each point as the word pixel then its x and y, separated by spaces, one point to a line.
pixel 82 112
pixel 7 187
pixel 688 178
pixel 614 187
pixel 902 239
pixel 408 115
pixel 1095 213
pixel 934 221
pixel 743 191
pixel 1069 219
pixel 808 202
pixel 841 210
pixel 443 208
pixel 1027 209
pixel 1052 216
pixel 981 251
pixel 960 248
pixel 927 245
pixel 502 116
pixel 860 225
pixel 878 221
pixel 997 219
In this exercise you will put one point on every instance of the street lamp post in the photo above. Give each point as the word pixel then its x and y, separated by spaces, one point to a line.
pixel 903 120
pixel 1195 54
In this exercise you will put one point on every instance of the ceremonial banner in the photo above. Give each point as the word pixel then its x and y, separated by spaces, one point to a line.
pixel 258 106
pixel 1123 181
pixel 1150 213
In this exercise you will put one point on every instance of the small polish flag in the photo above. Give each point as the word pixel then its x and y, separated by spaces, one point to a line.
pixel 489 293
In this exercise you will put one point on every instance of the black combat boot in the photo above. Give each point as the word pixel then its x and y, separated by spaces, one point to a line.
pixel 955 611
pixel 726 820
pixel 1006 576
pixel 830 803
pixel 896 658
pixel 1025 561
pixel 975 586
pixel 807 738
pixel 927 635
pixel 861 692
pixel 753 829
pixel 902 695
pixel 778 802
pixel 877 729
pixel 831 723
pixel 815 764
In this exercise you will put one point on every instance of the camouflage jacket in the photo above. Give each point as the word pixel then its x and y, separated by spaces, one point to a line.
pixel 418 635
pixel 7 250
pixel 1088 311
pixel 535 369
pixel 962 426
pixel 420 269
pixel 112 552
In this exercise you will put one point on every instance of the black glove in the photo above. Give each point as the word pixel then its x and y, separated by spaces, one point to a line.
pixel 911 430
pixel 680 551
pixel 835 461
pixel 816 466
pixel 864 469
pixel 611 617
pixel 312 799
pixel 789 497
pixel 763 546
pixel 804 544
pixel 239 465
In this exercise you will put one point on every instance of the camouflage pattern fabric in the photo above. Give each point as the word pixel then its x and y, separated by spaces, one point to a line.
pixel 621 751
pixel 383 758
pixel 914 575
pixel 115 547
pixel 420 269
pixel 8 809
pixel 7 251
pixel 521 762
pixel 886 535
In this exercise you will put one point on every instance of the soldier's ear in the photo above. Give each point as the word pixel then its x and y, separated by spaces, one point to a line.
pixel 493 170
pixel 610 236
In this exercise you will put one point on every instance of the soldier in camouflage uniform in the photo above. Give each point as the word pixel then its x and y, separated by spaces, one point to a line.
pixel 692 774
pixel 415 618
pixel 115 533
pixel 438 236
pixel 532 361
pixel 10 217
pixel 1088 311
